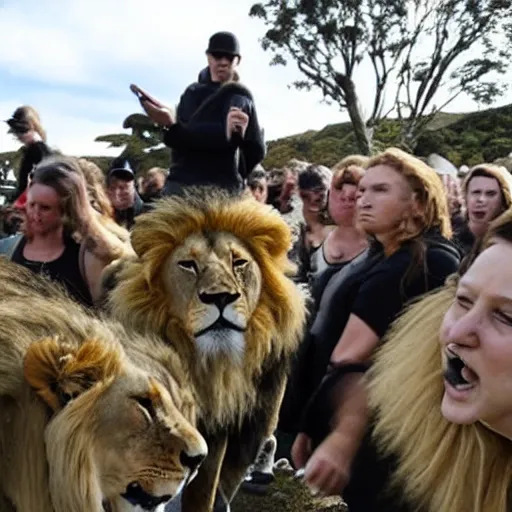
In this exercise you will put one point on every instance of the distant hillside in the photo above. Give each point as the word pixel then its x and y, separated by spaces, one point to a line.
pixel 462 138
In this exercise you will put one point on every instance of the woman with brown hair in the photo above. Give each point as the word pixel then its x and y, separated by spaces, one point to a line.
pixel 313 187
pixel 402 207
pixel 25 125
pixel 346 240
pixel 62 236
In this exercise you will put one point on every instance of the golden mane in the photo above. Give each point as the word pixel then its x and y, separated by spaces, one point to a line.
pixel 66 392
pixel 140 300
pixel 442 466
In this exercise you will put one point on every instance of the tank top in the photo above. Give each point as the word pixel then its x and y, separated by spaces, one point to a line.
pixel 64 270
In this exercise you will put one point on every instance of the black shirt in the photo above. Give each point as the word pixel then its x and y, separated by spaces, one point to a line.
pixel 372 288
pixel 64 270
pixel 376 292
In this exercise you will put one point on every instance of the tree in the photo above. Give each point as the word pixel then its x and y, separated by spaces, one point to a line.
pixel 143 148
pixel 419 45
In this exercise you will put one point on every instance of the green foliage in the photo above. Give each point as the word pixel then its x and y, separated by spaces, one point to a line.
pixel 138 147
pixel 463 139
pixel 478 137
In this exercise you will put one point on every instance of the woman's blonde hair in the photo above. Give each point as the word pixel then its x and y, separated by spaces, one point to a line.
pixel 64 175
pixel 427 187
pixel 442 466
pixel 31 116
pixel 96 183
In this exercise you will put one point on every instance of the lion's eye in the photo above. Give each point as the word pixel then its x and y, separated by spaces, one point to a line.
pixel 239 262
pixel 189 265
pixel 147 406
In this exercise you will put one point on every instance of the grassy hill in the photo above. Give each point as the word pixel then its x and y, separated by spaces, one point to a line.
pixel 462 138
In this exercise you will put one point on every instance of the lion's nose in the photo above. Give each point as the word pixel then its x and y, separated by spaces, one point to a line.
pixel 221 300
pixel 191 462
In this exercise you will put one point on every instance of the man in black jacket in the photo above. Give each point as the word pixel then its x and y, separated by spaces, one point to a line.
pixel 215 136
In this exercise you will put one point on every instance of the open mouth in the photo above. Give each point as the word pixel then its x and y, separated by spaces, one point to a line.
pixel 137 496
pixel 478 215
pixel 458 374
pixel 220 324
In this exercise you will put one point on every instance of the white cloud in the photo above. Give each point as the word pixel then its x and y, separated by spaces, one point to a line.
pixel 84 53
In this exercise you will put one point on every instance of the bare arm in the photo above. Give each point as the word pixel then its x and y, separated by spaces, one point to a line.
pixel 357 342
pixel 328 469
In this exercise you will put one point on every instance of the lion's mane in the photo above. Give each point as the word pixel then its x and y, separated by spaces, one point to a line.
pixel 58 365
pixel 442 466
pixel 227 391
pixel 48 367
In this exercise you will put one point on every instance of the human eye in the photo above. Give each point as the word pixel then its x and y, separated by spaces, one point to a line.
pixel 503 317
pixel 463 301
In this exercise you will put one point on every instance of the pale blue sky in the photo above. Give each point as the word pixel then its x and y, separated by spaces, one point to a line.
pixel 74 59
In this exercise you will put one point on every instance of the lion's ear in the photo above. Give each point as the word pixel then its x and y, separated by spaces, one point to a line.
pixel 59 372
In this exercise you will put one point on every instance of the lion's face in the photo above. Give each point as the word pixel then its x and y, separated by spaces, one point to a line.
pixel 146 449
pixel 114 426
pixel 214 284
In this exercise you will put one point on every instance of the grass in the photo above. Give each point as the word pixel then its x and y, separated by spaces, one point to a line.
pixel 285 494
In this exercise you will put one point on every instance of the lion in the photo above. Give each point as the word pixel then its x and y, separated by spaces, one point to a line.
pixel 211 278
pixel 83 428
pixel 442 466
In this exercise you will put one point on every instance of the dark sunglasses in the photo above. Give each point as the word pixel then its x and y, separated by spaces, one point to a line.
pixel 222 55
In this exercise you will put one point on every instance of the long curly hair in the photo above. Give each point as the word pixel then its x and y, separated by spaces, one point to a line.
pixel 427 187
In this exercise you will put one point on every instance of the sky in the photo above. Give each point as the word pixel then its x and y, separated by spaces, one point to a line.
pixel 73 60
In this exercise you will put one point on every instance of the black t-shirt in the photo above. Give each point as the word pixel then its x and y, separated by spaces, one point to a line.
pixel 64 270
pixel 376 293
pixel 371 288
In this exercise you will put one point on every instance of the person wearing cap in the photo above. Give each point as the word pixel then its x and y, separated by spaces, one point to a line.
pixel 123 196
pixel 215 136
pixel 25 125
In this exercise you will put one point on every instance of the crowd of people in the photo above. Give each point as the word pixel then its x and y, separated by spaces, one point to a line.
pixel 371 235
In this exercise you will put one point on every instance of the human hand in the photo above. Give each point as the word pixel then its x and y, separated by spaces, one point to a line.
pixel 301 450
pixel 327 471
pixel 159 115
pixel 236 121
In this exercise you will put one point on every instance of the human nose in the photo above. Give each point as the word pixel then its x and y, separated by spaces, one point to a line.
pixel 464 330
pixel 362 201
